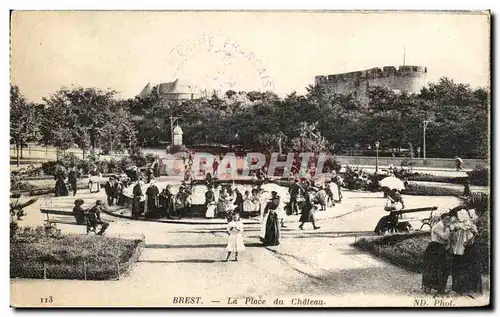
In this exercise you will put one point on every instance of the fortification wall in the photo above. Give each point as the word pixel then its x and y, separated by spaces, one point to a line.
pixel 408 78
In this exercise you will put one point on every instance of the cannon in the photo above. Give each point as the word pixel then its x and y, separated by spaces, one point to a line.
pixel 392 224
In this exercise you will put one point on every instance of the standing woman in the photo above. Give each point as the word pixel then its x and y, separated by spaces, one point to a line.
pixel 466 269
pixel 436 257
pixel 270 232
pixel 235 240
pixel 307 213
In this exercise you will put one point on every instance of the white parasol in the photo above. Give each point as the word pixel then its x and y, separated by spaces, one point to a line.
pixel 392 182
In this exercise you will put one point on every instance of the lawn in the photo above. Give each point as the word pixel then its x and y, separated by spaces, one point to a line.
pixel 35 254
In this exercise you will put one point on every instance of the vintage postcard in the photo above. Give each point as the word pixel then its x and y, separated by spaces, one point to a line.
pixel 250 159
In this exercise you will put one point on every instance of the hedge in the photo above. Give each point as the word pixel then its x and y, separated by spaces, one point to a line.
pixel 421 190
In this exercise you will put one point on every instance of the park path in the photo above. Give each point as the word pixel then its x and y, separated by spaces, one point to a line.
pixel 186 260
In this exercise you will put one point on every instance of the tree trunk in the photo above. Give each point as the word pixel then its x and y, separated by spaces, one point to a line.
pixel 83 154
pixel 17 154
pixel 22 151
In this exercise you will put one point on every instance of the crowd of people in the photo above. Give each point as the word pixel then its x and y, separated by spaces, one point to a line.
pixel 452 250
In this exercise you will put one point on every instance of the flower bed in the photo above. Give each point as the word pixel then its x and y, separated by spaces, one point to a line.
pixel 36 254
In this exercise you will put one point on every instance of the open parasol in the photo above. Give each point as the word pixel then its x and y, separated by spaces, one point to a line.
pixel 392 182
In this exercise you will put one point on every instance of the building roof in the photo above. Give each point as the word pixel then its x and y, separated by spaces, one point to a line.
pixel 173 88
pixel 168 88
pixel 145 91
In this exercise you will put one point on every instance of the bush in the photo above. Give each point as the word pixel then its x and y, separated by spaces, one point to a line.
pixel 125 163
pixel 138 158
pixel 29 171
pixel 49 168
pixel 22 186
pixel 479 176
pixel 150 158
pixel 332 163
pixel 69 160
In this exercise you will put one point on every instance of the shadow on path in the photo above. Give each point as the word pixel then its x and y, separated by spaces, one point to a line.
pixel 195 246
pixel 181 261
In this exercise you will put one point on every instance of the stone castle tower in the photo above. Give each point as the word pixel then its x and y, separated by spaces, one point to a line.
pixel 407 78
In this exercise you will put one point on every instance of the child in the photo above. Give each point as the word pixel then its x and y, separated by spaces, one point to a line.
pixel 235 240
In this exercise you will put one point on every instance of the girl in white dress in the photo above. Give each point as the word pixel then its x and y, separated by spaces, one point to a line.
pixel 235 240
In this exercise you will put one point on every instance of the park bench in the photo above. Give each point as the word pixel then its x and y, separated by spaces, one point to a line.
pixel 49 222
pixel 387 223
pixel 428 221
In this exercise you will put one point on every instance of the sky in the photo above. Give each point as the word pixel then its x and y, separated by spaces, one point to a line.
pixel 281 51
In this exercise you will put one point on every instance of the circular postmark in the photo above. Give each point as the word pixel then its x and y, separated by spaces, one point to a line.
pixel 214 62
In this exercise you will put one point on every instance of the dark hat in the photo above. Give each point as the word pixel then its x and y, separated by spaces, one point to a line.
pixel 79 202
pixel 274 193
pixel 98 202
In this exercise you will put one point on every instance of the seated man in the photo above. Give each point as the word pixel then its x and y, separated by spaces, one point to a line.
pixel 94 218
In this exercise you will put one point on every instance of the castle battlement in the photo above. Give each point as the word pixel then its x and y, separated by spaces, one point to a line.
pixel 374 73
pixel 403 78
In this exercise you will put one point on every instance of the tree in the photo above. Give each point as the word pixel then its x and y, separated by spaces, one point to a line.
pixel 81 116
pixel 24 120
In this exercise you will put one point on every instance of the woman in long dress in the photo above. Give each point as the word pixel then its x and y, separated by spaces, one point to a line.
pixel 222 204
pixel 466 269
pixel 436 263
pixel 270 233
pixel 235 240
pixel 60 188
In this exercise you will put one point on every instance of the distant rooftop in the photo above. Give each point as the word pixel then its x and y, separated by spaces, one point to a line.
pixel 170 89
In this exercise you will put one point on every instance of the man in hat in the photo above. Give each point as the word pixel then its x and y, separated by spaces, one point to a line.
pixel 295 190
pixel 109 188
pixel 215 167
pixel 73 179
pixel 94 218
